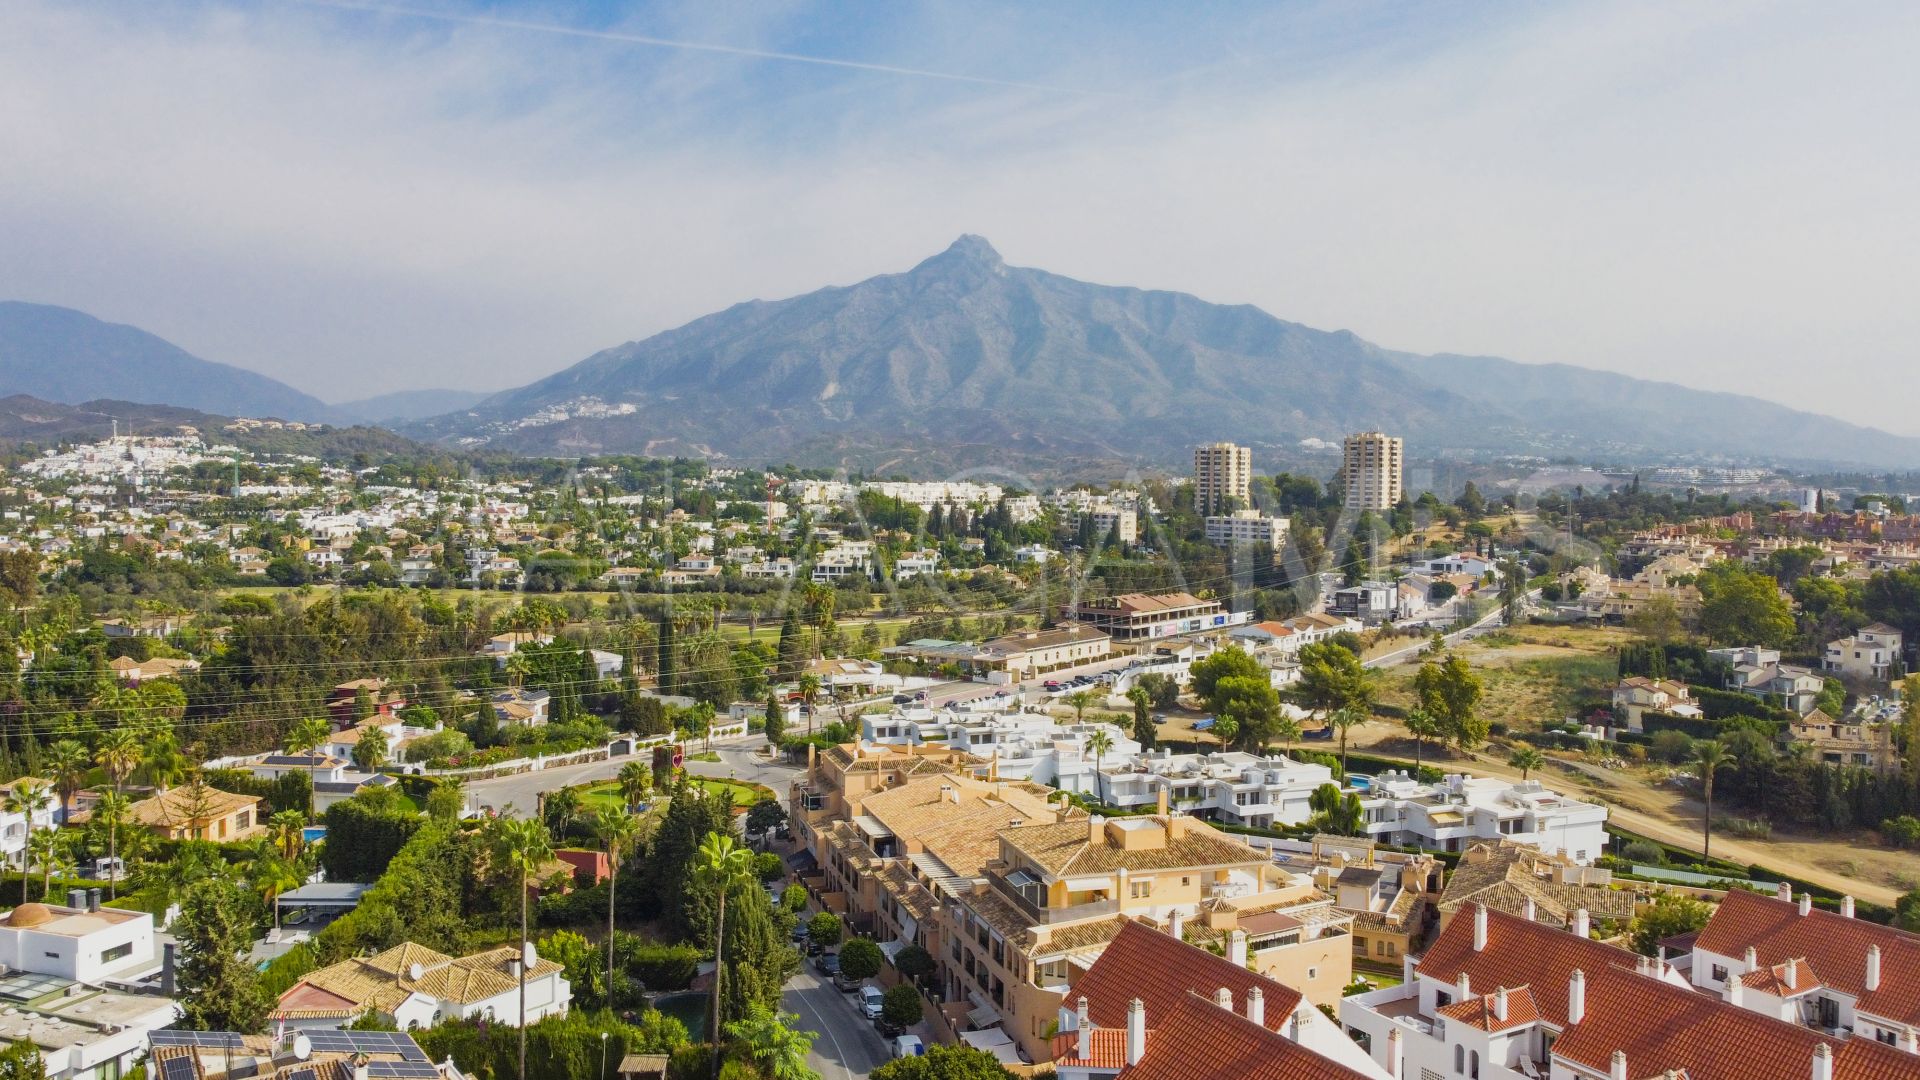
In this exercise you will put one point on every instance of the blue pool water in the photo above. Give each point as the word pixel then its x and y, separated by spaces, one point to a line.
pixel 314 832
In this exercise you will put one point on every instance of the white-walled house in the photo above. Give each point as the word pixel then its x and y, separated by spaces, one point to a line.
pixel 83 942
pixel 1869 653
pixel 1236 788
pixel 1452 814
pixel 415 987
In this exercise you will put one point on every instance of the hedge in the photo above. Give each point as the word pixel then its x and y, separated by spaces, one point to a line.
pixel 1720 704
pixel 1699 728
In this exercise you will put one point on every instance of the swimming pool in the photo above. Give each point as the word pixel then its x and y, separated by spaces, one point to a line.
pixel 313 832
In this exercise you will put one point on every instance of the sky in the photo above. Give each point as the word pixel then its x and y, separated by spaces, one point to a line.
pixel 364 197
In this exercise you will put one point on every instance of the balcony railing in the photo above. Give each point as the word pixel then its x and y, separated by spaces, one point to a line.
pixel 1070 913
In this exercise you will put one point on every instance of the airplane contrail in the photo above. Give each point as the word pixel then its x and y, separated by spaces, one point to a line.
pixel 689 46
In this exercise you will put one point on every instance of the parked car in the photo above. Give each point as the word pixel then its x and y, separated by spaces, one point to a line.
pixel 800 934
pixel 1051 684
pixel 871 1000
pixel 886 1030
pixel 901 699
pixel 921 696
pixel 827 964
pixel 1159 718
pixel 906 1046
pixel 1322 733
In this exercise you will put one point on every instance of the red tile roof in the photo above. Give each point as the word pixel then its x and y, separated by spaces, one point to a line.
pixel 1198 1040
pixel 1664 1027
pixel 1479 1010
pixel 1150 965
pixel 1778 932
pixel 1107 1049
pixel 1519 953
pixel 1792 978
pixel 1865 1059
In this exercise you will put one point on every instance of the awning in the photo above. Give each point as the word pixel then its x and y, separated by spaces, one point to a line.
pixel 909 928
pixel 802 860
pixel 872 827
pixel 994 1041
pixel 980 1017
pixel 891 949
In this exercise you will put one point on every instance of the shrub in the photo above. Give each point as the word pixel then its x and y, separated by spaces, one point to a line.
pixel 1744 828
pixel 1672 746
pixel 900 1005
pixel 825 929
pixel 860 959
pixel 663 967
pixel 1901 832
pixel 1644 851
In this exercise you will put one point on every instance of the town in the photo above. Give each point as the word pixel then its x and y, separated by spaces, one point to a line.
pixel 645 768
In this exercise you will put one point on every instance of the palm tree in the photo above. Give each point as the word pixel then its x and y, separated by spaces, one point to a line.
pixel 1526 759
pixel 1344 720
pixel 1099 742
pixel 516 668
pixel 307 737
pixel 776 1042
pixel 636 781
pixel 1708 757
pixel 272 876
pixel 42 847
pixel 289 833
pixel 1422 725
pixel 1226 729
pixel 163 764
pixel 521 846
pixel 118 754
pixel 112 809
pixel 618 829
pixel 720 864
pixel 1079 700
pixel 28 798
pixel 66 763
pixel 809 686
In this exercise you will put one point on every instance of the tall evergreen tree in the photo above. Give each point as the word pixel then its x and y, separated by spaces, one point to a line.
pixel 665 676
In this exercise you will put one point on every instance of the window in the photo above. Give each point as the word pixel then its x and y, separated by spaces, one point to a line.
pixel 1883 1035
pixel 117 952
pixel 1141 889
pixel 1473 1065
pixel 1459 1059
pixel 1719 973
pixel 1313 973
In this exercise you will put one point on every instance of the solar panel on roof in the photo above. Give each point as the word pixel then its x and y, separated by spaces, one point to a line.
pixel 371 1042
pixel 175 1037
pixel 410 1070
pixel 178 1068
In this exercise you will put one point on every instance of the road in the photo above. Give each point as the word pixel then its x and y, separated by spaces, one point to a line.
pixel 1486 622
pixel 740 759
pixel 847 1046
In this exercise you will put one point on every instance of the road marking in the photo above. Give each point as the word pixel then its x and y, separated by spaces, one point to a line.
pixel 826 1028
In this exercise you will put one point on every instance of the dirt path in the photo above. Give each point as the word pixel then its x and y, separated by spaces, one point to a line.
pixel 1641 807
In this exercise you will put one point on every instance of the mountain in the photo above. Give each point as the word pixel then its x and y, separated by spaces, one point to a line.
pixel 404 405
pixel 964 361
pixel 59 354
pixel 28 420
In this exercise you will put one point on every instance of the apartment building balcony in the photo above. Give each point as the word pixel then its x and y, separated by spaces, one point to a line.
pixel 1042 915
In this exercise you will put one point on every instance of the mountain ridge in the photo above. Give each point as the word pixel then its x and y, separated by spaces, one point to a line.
pixel 67 356
pixel 965 350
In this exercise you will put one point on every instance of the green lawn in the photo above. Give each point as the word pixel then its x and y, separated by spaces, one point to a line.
pixel 744 794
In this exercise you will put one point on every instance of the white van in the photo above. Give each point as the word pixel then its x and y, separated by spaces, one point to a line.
pixel 906 1046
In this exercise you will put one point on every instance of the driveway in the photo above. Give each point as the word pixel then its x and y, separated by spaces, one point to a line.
pixel 848 1047
pixel 740 759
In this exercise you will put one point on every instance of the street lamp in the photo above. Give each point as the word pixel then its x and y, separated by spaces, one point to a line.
pixel 603 1054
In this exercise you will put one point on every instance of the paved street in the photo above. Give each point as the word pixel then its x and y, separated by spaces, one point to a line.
pixel 740 759
pixel 848 1047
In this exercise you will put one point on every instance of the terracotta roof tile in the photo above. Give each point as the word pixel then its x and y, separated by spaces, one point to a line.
pixel 1482 1010
pixel 1661 1027
pixel 1778 932
pixel 1519 953
pixel 1198 1040
pixel 1147 964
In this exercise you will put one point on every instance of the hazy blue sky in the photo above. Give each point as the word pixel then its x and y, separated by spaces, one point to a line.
pixel 367 197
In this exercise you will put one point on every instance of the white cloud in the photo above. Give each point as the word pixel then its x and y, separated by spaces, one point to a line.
pixel 357 203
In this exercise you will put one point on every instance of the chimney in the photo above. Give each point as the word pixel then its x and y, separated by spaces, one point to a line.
pixel 1393 1053
pixel 1910 1040
pixel 93 899
pixel 1873 968
pixel 1479 928
pixel 166 968
pixel 1161 803
pixel 77 899
pixel 1500 1004
pixel 1576 997
pixel 1846 907
pixel 1823 1062
pixel 1096 830
pixel 1085 1029
pixel 1792 978
pixel 361 1069
pixel 1223 997
pixel 1177 924
pixel 1736 992
pixel 1752 958
pixel 1619 1069
pixel 1784 891
pixel 1464 985
pixel 1297 1023
pixel 1136 1032
pixel 1237 948
pixel 1257 1006
pixel 1581 924
pixel 1806 903
pixel 1533 910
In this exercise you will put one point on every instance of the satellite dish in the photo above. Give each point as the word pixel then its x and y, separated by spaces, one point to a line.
pixel 302 1047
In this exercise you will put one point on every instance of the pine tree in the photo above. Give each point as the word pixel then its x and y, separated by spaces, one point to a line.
pixel 665 677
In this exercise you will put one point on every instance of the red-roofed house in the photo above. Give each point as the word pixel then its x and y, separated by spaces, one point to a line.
pixel 1850 975
pixel 1486 1000
pixel 1201 1039
pixel 1162 973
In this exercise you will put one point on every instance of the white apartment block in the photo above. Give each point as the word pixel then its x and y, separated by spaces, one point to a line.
pixel 1459 810
pixel 1869 653
pixel 846 559
pixel 1222 473
pixel 1371 471
pixel 1235 788
pixel 914 563
pixel 1124 520
pixel 1246 527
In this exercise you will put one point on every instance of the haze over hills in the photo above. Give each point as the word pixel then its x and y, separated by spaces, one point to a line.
pixel 58 354
pixel 403 405
pixel 26 419
pixel 965 360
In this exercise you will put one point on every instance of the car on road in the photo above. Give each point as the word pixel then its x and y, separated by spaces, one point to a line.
pixel 902 699
pixel 871 1000
pixel 887 1031
pixel 1159 718
pixel 921 696
pixel 906 1046
pixel 827 964
pixel 1002 693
